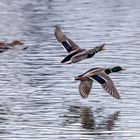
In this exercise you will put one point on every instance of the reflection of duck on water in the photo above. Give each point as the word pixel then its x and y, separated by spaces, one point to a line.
pixel 109 122
pixel 88 120
pixel 85 116
pixel 4 116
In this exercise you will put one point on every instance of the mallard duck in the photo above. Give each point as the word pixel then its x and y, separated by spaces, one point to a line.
pixel 101 76
pixel 15 42
pixel 6 46
pixel 75 53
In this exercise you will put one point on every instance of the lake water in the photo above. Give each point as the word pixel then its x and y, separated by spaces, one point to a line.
pixel 39 98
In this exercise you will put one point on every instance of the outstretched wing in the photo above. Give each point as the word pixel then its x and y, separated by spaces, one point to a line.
pixel 73 44
pixel 68 44
pixel 60 36
pixel 85 88
pixel 107 84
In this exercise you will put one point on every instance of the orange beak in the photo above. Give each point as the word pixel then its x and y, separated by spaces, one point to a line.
pixel 124 68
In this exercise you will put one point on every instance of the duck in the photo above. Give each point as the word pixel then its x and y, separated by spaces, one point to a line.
pixel 6 46
pixel 75 53
pixel 101 76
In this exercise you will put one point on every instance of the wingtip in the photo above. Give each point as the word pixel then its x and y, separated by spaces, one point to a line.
pixel 117 97
pixel 84 96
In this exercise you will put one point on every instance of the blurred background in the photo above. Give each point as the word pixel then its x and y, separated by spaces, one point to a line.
pixel 39 98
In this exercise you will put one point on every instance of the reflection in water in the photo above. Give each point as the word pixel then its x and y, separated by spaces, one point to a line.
pixel 72 116
pixel 109 122
pixel 3 119
pixel 86 117
pixel 36 89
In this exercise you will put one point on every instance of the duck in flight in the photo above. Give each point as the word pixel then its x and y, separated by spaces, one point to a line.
pixel 101 76
pixel 75 53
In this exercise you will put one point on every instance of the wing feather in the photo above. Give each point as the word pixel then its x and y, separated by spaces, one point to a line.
pixel 60 36
pixel 109 85
pixel 85 88
pixel 66 41
pixel 73 44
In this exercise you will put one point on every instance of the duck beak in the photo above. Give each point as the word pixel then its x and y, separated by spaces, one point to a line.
pixel 104 49
pixel 103 45
pixel 124 68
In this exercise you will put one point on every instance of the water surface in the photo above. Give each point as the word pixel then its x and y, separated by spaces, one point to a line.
pixel 39 98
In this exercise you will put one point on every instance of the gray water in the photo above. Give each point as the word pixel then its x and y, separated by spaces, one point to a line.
pixel 39 97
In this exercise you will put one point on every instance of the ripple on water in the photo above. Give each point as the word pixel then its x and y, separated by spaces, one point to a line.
pixel 39 98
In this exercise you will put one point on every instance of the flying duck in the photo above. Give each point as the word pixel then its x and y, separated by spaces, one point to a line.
pixel 101 76
pixel 75 53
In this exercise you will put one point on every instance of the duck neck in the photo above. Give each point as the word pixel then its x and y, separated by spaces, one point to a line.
pixel 99 48
pixel 108 71
pixel 90 55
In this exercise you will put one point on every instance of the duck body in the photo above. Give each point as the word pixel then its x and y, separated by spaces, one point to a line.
pixel 73 56
pixel 6 46
pixel 75 53
pixel 101 76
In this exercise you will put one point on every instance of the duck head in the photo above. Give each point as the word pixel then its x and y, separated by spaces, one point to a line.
pixel 92 52
pixel 117 69
pixel 100 48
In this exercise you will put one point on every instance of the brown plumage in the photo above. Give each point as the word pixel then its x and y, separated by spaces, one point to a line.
pixel 4 46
